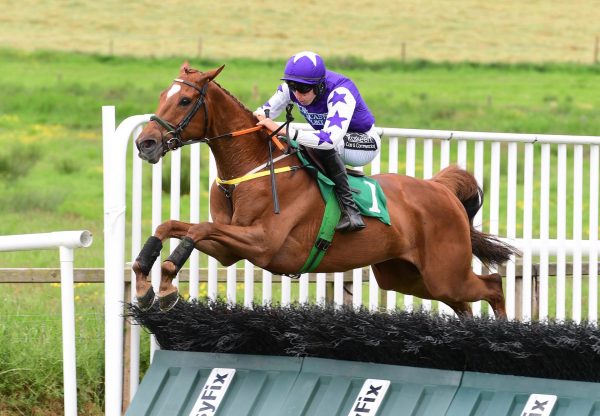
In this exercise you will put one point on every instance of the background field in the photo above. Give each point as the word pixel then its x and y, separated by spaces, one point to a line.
pixel 473 30
pixel 509 66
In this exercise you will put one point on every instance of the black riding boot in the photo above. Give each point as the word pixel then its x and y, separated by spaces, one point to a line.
pixel 336 171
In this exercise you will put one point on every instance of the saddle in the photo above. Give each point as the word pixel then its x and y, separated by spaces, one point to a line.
pixel 310 154
pixel 367 192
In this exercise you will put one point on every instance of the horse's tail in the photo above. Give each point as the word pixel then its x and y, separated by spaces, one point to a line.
pixel 486 247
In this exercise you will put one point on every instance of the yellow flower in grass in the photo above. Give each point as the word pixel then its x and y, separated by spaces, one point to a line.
pixel 203 290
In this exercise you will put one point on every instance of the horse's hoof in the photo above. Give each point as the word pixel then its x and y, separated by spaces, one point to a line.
pixel 147 301
pixel 168 302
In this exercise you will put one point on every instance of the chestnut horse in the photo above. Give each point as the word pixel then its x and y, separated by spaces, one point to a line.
pixel 426 251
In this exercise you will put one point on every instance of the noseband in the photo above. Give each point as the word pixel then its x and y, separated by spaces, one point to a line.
pixel 175 142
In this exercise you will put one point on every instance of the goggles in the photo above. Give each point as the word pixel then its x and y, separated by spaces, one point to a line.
pixel 300 87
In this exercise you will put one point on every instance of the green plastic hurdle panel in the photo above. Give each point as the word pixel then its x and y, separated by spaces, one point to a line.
pixel 494 394
pixel 202 384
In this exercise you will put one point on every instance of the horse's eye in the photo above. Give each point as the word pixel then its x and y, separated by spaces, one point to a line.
pixel 184 101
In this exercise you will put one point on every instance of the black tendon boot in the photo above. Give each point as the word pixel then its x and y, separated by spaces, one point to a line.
pixel 334 167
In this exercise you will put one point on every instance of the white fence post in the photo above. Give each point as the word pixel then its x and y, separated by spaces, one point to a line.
pixel 115 142
pixel 65 241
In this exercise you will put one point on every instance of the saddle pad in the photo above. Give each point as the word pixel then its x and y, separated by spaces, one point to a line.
pixel 369 196
pixel 366 192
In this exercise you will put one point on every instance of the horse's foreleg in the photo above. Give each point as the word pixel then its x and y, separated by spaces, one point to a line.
pixel 169 295
pixel 226 243
pixel 230 243
pixel 141 267
pixel 148 255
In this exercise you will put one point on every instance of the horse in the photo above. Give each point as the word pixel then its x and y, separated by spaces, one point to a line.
pixel 427 250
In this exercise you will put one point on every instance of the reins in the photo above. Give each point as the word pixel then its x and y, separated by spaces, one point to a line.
pixel 176 142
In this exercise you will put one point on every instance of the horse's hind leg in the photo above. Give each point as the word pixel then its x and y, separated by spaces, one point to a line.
pixel 496 297
pixel 486 287
pixel 462 309
pixel 148 255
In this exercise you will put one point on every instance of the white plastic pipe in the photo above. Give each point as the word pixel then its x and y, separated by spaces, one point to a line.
pixel 45 241
pixel 66 242
pixel 511 225
pixel 527 231
pixel 593 233
pixel 544 230
pixel 67 292
pixel 114 143
pixel 136 246
pixel 194 217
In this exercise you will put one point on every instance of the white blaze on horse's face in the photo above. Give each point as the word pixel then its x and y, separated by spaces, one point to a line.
pixel 174 90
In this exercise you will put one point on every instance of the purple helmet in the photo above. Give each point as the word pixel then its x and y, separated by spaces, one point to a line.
pixel 305 67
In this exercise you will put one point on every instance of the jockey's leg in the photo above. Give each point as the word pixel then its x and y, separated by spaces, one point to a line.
pixel 336 170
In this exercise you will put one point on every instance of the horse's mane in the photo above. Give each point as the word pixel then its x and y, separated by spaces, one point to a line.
pixel 233 97
pixel 189 70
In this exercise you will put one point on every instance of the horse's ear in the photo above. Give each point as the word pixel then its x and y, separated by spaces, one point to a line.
pixel 185 67
pixel 212 74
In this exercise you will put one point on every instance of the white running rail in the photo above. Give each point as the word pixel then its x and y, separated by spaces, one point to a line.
pixel 545 223
pixel 66 242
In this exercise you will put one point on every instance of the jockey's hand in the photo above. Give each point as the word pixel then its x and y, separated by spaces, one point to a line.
pixel 259 116
pixel 268 124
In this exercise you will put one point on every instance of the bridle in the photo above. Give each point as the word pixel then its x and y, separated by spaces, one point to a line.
pixel 175 142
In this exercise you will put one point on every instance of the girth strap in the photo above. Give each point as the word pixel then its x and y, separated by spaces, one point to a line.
pixel 331 217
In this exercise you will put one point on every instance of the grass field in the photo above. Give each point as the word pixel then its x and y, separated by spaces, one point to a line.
pixel 51 167
pixel 529 70
pixel 472 30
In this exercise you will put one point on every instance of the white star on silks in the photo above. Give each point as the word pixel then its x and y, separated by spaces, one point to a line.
pixel 310 55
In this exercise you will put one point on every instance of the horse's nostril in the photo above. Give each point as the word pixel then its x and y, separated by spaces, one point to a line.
pixel 147 144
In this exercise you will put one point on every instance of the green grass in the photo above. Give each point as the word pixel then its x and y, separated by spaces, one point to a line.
pixel 31 359
pixel 50 127
pixel 51 169
pixel 50 120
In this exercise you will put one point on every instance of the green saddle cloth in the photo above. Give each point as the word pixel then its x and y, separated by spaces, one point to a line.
pixel 369 198
pixel 366 192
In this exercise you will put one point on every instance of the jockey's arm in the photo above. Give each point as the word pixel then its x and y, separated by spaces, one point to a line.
pixel 276 104
pixel 340 108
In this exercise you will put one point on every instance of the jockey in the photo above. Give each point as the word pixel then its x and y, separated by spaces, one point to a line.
pixel 332 105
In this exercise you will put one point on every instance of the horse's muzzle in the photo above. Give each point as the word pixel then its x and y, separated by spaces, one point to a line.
pixel 150 149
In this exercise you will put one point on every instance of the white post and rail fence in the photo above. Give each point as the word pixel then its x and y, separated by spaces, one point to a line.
pixel 542 194
pixel 66 242
pixel 549 185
